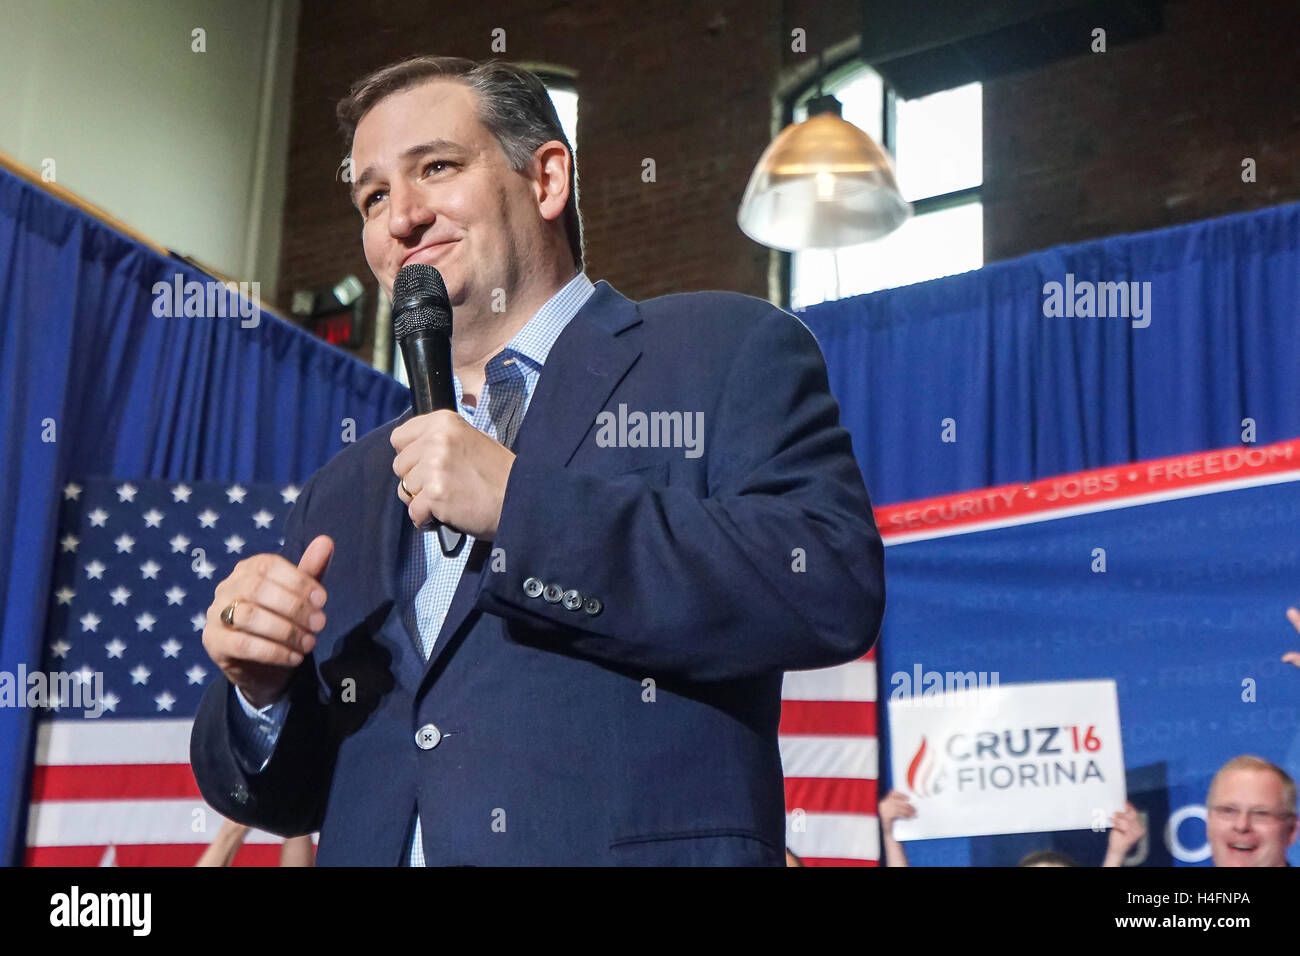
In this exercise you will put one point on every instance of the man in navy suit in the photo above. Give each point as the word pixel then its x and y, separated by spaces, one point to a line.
pixel 662 515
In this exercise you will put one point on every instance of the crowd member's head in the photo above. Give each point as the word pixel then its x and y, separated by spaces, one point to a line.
pixel 1251 813
pixel 447 150
pixel 1047 858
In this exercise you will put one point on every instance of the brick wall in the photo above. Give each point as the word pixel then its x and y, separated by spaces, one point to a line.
pixel 684 83
pixel 1145 136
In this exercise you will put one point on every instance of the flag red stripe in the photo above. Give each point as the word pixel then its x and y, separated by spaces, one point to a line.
pixel 829 717
pixel 835 861
pixel 830 795
pixel 127 781
pixel 144 854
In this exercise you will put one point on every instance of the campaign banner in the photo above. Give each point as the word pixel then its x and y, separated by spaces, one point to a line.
pixel 1008 758
pixel 1170 578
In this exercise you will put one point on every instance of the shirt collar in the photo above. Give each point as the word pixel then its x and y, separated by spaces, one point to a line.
pixel 536 339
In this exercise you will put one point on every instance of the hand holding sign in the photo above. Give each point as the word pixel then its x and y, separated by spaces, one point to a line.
pixel 1292 657
pixel 1126 831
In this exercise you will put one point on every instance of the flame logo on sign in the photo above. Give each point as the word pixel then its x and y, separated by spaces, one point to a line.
pixel 920 771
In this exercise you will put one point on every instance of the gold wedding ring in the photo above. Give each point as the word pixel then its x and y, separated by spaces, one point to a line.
pixel 406 489
pixel 228 615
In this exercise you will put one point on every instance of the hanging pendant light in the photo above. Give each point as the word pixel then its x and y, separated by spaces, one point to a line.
pixel 822 184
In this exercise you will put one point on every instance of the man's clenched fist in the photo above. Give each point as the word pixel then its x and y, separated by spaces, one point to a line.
pixel 275 622
pixel 455 474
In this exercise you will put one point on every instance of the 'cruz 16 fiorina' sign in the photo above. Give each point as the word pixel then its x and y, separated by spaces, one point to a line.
pixel 1011 758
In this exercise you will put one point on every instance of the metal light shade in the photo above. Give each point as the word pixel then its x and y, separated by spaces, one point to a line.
pixel 821 184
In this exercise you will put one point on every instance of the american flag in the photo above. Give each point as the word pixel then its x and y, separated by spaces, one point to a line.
pixel 829 755
pixel 135 567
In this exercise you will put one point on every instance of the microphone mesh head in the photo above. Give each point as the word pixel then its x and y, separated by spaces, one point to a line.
pixel 420 302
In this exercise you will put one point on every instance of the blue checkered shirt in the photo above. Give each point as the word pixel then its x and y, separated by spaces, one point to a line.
pixel 427 579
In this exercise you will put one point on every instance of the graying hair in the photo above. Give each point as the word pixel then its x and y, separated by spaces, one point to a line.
pixel 513 105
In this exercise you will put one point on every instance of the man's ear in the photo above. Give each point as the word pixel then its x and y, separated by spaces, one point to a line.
pixel 552 161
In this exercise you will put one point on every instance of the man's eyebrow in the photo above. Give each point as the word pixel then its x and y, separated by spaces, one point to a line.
pixel 410 153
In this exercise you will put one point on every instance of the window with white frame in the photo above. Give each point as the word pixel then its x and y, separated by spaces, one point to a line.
pixel 936 144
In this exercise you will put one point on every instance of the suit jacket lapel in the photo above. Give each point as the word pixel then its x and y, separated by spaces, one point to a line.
pixel 585 365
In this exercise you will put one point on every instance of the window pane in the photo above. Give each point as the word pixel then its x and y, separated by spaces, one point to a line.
pixel 862 94
pixel 925 247
pixel 566 107
pixel 940 146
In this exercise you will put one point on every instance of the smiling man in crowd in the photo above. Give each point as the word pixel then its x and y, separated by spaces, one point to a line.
pixel 1251 813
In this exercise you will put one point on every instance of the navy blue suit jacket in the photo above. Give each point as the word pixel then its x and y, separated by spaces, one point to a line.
pixel 643 734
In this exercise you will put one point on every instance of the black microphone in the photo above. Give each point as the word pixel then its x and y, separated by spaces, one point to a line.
pixel 422 327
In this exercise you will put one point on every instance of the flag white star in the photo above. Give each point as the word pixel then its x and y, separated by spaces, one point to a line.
pixel 98 517
pixel 70 542
pixel 164 701
pixel 60 648
pixel 120 595
pixel 140 674
pixel 84 674
pixel 181 493
pixel 234 544
pixel 174 594
pixel 290 494
pixel 196 674
pixel 150 569
pixel 71 491
pixel 208 517
pixel 115 647
pixel 179 543
pixel 126 492
pixel 124 543
pixel 236 494
pixel 89 621
pixel 263 518
pixel 95 569
pixel 145 622
pixel 111 701
pixel 198 620
pixel 65 595
pixel 205 568
pixel 171 648
pixel 152 518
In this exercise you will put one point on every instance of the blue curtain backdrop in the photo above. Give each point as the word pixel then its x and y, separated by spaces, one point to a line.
pixel 1033 396
pixel 133 395
pixel 129 395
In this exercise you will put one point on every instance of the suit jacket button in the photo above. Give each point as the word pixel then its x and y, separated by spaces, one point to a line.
pixel 533 587
pixel 428 737
pixel 552 594
pixel 572 600
pixel 592 606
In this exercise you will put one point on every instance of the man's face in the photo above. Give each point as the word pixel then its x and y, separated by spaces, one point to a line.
pixel 1240 838
pixel 433 185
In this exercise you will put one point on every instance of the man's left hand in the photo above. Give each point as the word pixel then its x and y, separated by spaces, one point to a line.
pixel 456 474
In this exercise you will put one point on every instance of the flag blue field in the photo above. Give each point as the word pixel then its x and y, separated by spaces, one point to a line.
pixel 136 566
